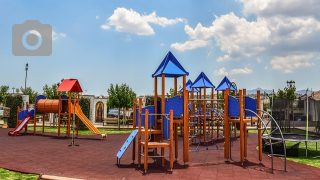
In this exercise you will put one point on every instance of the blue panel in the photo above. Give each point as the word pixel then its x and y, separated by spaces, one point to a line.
pixel 175 104
pixel 32 113
pixel 233 106
pixel 127 143
pixel 151 117
pixel 64 97
pixel 250 104
pixel 23 114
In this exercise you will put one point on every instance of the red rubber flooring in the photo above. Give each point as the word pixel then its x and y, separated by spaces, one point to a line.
pixel 95 159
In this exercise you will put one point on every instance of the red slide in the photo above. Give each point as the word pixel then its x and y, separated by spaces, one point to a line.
pixel 20 126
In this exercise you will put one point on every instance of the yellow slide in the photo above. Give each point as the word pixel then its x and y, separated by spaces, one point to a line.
pixel 87 122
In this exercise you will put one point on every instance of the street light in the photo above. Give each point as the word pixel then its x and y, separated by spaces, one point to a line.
pixel 25 82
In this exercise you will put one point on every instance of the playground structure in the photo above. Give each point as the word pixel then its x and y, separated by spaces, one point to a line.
pixel 63 106
pixel 227 112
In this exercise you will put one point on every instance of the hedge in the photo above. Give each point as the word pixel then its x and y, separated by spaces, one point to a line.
pixel 13 101
pixel 85 107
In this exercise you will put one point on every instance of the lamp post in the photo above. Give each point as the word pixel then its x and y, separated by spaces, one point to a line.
pixel 25 82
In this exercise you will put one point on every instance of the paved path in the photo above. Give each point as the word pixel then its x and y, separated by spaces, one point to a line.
pixel 96 159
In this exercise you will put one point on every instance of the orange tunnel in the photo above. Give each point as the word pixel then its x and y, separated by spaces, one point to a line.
pixel 48 106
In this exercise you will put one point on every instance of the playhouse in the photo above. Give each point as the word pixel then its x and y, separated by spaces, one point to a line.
pixel 65 106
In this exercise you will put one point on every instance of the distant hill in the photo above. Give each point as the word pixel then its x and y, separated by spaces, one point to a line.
pixel 254 91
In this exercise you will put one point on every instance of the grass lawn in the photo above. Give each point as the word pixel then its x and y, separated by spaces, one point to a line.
pixel 302 159
pixel 10 175
pixel 81 132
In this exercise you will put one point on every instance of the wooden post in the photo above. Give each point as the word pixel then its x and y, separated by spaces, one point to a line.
pixel 226 125
pixel 259 130
pixel 162 112
pixel 192 112
pixel 60 109
pixel 175 124
pixel 245 124
pixel 155 102
pixel 241 127
pixel 171 140
pixel 204 115
pixel 211 120
pixel 185 123
pixel 134 127
pixel 139 132
pixel 146 116
pixel 199 117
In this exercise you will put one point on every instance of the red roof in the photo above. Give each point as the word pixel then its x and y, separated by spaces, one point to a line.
pixel 70 85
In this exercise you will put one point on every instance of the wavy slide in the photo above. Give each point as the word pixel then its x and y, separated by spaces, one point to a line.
pixel 87 122
pixel 20 126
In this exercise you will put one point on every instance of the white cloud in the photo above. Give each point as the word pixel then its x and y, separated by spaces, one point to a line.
pixel 291 62
pixel 130 21
pixel 162 45
pixel 56 36
pixel 62 35
pixel 266 67
pixel 281 28
pixel 259 59
pixel 189 45
pixel 97 17
pixel 105 27
pixel 241 71
pixel 221 72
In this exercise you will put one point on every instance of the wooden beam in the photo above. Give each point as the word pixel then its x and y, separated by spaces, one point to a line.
pixel 139 132
pixel 241 127
pixel 134 127
pixel 244 92
pixel 204 115
pixel 155 102
pixel 171 140
pixel 226 125
pixel 259 130
pixel 146 140
pixel 185 123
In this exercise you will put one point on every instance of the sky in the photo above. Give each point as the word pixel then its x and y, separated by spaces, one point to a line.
pixel 254 43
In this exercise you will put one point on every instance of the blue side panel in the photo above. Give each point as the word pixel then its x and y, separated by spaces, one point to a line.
pixel 250 104
pixel 37 99
pixel 64 97
pixel 175 104
pixel 233 106
pixel 32 113
pixel 151 117
pixel 23 114
pixel 159 108
pixel 127 143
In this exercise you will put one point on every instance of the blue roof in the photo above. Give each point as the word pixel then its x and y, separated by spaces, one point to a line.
pixel 189 88
pixel 224 84
pixel 170 67
pixel 202 81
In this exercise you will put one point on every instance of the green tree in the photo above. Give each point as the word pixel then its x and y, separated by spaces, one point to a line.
pixel 170 94
pixel 120 97
pixel 3 94
pixel 281 94
pixel 51 92
pixel 29 91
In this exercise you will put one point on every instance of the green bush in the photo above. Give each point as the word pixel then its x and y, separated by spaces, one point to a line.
pixel 13 101
pixel 85 106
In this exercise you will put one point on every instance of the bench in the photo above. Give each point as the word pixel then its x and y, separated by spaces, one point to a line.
pixel 110 121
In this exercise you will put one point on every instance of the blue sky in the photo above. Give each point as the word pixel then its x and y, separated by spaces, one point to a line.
pixel 255 43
